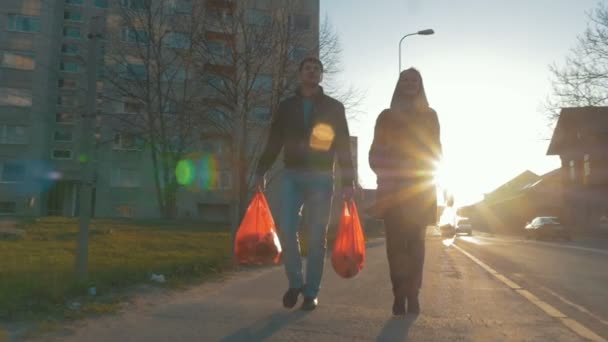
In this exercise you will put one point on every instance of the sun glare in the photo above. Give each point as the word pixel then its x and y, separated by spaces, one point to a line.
pixel 457 180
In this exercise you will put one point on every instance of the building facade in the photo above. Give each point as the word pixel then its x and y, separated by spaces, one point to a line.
pixel 580 139
pixel 43 81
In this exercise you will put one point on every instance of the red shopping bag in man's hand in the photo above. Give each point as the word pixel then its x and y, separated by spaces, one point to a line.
pixel 348 256
pixel 256 240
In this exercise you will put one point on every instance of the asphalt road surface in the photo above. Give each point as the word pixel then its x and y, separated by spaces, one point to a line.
pixel 570 276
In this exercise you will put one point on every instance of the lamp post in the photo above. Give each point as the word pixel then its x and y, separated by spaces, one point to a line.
pixel 422 32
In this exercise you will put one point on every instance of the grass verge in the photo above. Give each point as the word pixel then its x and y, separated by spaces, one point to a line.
pixel 37 272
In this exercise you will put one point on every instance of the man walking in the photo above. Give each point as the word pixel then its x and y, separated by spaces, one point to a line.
pixel 311 127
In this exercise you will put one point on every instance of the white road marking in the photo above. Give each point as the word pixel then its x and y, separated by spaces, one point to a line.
pixel 575 326
pixel 574 305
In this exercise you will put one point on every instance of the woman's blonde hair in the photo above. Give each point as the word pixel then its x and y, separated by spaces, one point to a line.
pixel 420 101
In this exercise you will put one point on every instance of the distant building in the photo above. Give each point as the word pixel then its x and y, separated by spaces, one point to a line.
pixel 510 206
pixel 580 139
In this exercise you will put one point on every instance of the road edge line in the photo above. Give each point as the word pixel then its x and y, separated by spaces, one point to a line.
pixel 547 308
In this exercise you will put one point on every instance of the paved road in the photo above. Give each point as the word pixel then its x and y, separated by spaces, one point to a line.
pixel 460 302
pixel 571 276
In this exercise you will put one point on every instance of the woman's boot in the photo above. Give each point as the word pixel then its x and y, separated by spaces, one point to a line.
pixel 399 306
pixel 413 305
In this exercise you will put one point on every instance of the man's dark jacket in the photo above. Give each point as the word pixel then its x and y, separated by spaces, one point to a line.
pixel 312 146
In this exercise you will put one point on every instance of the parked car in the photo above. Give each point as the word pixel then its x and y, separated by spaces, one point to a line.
pixel 464 226
pixel 543 227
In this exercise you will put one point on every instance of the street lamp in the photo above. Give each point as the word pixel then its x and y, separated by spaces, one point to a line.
pixel 423 33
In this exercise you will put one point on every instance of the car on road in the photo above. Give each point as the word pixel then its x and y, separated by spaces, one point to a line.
pixel 546 227
pixel 464 226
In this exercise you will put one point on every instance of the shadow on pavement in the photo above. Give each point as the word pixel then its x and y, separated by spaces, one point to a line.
pixel 397 328
pixel 264 328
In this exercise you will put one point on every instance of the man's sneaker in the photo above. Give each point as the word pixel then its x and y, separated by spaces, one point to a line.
pixel 290 298
pixel 310 303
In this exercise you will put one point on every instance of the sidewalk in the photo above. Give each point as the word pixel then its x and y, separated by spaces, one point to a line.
pixel 460 302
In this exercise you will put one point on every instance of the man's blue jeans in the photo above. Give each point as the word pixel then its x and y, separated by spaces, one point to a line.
pixel 314 190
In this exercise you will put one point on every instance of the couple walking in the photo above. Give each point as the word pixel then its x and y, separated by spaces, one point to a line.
pixel 311 129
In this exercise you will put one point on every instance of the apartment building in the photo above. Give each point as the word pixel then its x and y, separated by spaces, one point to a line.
pixel 43 77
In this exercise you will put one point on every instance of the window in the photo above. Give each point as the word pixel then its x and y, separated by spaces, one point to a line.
pixel 124 178
pixel 22 23
pixel 131 35
pixel 74 2
pixel 224 180
pixel 299 22
pixel 219 51
pixel 64 118
pixel 125 210
pixel 572 171
pixel 131 106
pixel 222 14
pixel 70 49
pixel 586 169
pixel 260 114
pixel 258 17
pixel 12 134
pixel 12 172
pixel 218 83
pixel 61 154
pixel 18 60
pixel 297 54
pixel 7 207
pixel 66 83
pixel 262 82
pixel 169 107
pixel 67 100
pixel 126 141
pixel 135 72
pixel 72 15
pixel 69 66
pixel 135 4
pixel 181 6
pixel 71 32
pixel 101 3
pixel 62 136
pixel 15 97
pixel 174 73
pixel 216 147
pixel 178 40
pixel 218 118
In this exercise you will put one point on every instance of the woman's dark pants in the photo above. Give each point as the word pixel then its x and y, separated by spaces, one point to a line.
pixel 405 251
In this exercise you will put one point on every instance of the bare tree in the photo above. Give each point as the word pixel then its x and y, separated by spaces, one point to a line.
pixel 583 79
pixel 215 70
pixel 330 53
pixel 152 95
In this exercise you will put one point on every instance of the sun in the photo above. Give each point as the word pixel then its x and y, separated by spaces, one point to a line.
pixel 457 180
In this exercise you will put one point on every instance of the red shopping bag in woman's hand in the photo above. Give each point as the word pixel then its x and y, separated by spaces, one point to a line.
pixel 256 240
pixel 348 256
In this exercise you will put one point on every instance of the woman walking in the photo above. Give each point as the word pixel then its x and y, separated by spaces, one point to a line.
pixel 404 152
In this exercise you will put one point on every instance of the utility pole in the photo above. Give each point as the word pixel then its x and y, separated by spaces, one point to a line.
pixel 86 155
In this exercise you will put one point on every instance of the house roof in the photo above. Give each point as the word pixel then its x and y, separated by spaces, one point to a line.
pixel 576 123
pixel 516 183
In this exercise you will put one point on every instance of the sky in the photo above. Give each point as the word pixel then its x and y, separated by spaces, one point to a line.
pixel 485 72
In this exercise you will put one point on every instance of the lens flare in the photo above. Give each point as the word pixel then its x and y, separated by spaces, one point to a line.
pixel 185 172
pixel 208 172
pixel 322 137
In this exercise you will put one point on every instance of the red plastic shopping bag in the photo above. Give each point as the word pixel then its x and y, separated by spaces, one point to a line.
pixel 348 256
pixel 256 240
